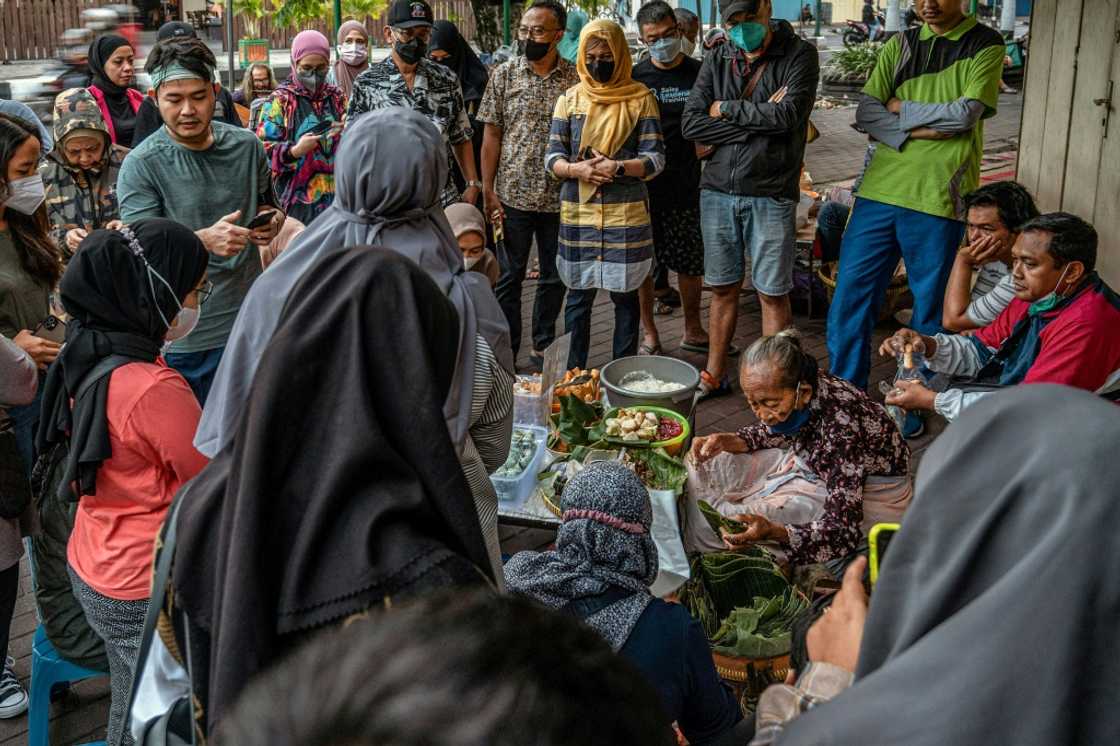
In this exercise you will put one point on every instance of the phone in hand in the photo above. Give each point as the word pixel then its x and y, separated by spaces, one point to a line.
pixel 52 329
pixel 261 221
pixel 879 539
pixel 321 128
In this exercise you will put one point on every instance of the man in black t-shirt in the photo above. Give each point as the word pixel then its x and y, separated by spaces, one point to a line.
pixel 674 195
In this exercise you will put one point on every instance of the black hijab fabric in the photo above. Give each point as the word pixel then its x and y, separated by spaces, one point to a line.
pixel 341 486
pixel 462 60
pixel 995 619
pixel 108 292
pixel 116 97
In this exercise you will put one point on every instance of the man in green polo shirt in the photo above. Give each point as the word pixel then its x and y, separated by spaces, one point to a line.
pixel 924 106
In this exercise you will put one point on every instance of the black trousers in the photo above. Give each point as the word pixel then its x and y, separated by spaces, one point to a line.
pixel 9 590
pixel 521 227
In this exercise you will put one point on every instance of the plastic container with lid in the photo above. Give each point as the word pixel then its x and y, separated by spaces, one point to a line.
pixel 530 407
pixel 514 490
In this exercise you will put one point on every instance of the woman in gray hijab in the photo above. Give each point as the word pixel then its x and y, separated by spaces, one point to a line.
pixel 995 617
pixel 389 174
pixel 600 572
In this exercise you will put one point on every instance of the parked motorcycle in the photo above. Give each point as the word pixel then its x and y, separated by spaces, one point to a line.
pixel 858 32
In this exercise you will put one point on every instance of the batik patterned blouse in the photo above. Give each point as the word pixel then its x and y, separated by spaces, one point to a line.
pixel 304 185
pixel 847 438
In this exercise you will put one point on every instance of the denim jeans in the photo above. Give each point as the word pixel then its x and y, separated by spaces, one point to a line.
pixel 877 235
pixel 25 424
pixel 831 221
pixel 198 368
pixel 513 258
pixel 577 320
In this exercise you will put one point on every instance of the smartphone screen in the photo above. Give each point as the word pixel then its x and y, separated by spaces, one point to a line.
pixel 322 127
pixel 261 220
pixel 879 540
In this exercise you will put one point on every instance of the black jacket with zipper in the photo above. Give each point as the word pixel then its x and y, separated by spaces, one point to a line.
pixel 761 146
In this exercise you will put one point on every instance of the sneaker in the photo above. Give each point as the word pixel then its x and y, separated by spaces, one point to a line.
pixel 13 697
pixel 914 426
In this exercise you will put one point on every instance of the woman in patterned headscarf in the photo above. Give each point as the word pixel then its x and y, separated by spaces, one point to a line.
pixel 600 572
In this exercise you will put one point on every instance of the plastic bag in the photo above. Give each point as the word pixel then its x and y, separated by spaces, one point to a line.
pixel 672 562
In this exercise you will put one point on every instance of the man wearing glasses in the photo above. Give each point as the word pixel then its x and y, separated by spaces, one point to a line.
pixel 674 195
pixel 408 78
pixel 517 109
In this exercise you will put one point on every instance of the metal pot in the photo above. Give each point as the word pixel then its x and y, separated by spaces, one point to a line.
pixel 663 368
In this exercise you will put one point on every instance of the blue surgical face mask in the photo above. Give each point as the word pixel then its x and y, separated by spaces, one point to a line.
pixel 748 35
pixel 796 420
pixel 665 50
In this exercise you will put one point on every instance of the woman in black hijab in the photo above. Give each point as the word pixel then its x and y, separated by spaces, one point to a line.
pixel 995 617
pixel 450 49
pixel 130 430
pixel 111 60
pixel 340 490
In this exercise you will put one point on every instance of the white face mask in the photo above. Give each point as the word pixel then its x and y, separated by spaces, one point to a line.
pixel 353 53
pixel 26 194
pixel 687 46
pixel 185 322
pixel 470 261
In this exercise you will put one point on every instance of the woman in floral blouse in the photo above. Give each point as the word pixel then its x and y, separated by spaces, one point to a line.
pixel 820 441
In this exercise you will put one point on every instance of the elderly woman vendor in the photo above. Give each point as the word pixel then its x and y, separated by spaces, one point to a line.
pixel 821 449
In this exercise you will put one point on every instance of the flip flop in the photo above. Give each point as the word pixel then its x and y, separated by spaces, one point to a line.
pixel 732 350
pixel 670 298
pixel 661 308
pixel 710 388
pixel 647 349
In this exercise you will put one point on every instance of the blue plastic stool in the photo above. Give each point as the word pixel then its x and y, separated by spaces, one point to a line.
pixel 47 669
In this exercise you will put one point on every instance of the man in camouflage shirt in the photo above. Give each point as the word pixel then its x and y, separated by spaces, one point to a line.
pixel 407 78
pixel 517 109
pixel 80 174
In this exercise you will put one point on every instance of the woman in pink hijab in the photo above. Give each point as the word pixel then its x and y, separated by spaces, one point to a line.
pixel 353 56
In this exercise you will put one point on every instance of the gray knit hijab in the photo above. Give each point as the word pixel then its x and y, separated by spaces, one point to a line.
pixel 604 541
pixel 389 173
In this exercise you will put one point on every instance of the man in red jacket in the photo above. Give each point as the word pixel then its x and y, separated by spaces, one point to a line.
pixel 1062 327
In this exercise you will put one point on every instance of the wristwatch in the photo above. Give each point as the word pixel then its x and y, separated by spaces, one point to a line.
pixel 476 184
pixel 620 170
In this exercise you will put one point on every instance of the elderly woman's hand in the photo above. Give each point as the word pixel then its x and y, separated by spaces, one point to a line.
pixel 709 446
pixel 758 529
pixel 835 638
pixel 911 395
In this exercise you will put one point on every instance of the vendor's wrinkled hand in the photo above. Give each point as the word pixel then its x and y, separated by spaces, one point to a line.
pixel 892 345
pixel 758 529
pixel 708 447
pixel 835 638
pixel 911 395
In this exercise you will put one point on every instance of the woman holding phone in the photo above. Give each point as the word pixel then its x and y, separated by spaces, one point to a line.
pixel 300 126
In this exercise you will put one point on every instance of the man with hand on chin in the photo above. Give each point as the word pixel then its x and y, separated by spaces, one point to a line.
pixel 213 178
pixel 408 78
pixel 1062 327
pixel 750 106
pixel 517 109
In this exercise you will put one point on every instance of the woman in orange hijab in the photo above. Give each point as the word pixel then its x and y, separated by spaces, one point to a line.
pixel 605 142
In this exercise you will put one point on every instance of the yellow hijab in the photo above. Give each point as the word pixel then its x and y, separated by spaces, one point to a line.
pixel 616 104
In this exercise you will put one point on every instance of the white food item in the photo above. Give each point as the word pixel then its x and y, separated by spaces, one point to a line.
pixel 644 383
pixel 631 436
pixel 628 424
pixel 651 419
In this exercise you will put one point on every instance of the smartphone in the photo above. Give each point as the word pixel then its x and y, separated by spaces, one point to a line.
pixel 261 220
pixel 879 539
pixel 322 127
pixel 51 328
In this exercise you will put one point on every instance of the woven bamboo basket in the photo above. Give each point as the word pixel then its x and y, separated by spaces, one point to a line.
pixel 898 290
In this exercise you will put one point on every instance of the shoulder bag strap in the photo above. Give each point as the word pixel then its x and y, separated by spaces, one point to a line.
pixel 155 605
pixel 748 89
pixel 104 367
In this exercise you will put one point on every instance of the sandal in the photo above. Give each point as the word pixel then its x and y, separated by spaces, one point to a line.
pixel 703 349
pixel 648 349
pixel 669 297
pixel 712 389
pixel 534 272
pixel 661 308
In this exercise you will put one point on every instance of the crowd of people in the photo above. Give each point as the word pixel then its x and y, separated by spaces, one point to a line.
pixel 260 345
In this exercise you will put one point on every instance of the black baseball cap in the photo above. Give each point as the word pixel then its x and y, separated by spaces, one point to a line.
pixel 728 8
pixel 176 30
pixel 409 13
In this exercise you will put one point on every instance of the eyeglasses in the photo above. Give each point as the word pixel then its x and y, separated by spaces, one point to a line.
pixel 668 34
pixel 423 33
pixel 204 290
pixel 537 32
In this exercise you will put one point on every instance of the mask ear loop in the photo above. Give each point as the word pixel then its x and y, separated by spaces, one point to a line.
pixel 138 250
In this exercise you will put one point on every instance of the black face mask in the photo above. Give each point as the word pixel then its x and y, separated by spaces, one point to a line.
pixel 535 50
pixel 312 81
pixel 411 52
pixel 601 70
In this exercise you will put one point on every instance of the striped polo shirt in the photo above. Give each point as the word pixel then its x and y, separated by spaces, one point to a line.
pixel 932 176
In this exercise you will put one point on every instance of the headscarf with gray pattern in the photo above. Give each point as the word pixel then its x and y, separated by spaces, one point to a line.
pixel 603 544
